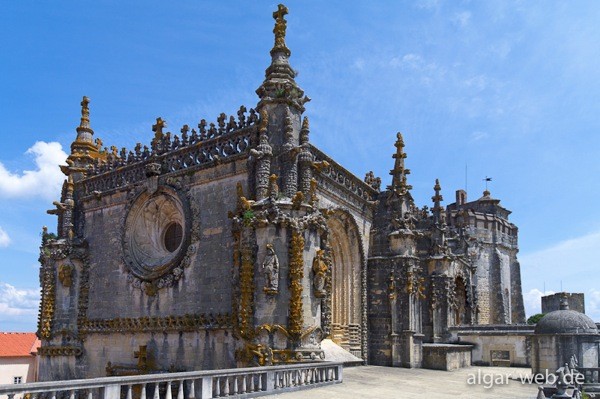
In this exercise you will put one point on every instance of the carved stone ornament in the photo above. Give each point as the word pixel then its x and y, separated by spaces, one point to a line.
pixel 157 239
pixel 65 275
pixel 319 267
pixel 271 269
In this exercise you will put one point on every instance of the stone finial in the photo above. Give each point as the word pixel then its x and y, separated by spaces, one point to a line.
pixel 83 150
pixel 264 120
pixel 305 131
pixel 399 173
pixel 158 128
pixel 564 303
pixel 279 30
pixel 85 113
pixel 273 187
pixel 437 199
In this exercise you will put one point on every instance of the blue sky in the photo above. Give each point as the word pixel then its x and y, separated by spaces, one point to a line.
pixel 509 88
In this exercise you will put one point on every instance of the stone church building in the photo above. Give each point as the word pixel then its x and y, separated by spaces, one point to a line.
pixel 240 243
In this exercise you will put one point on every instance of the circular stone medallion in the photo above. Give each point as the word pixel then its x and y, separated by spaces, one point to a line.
pixel 156 234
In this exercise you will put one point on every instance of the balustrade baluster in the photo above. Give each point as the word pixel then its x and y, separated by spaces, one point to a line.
pixel 53 396
pixel 226 387
pixel 180 390
pixel 129 387
pixel 89 395
pixel 260 384
pixel 143 393
pixel 252 382
pixel 169 394
pixel 235 385
pixel 244 377
pixel 192 391
pixel 156 391
pixel 217 387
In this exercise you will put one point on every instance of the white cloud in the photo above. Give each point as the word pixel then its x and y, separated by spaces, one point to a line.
pixel 4 238
pixel 462 18
pixel 533 301
pixel 428 4
pixel 479 82
pixel 17 302
pixel 43 182
pixel 359 64
pixel 479 135
pixel 576 254
pixel 592 308
pixel 569 265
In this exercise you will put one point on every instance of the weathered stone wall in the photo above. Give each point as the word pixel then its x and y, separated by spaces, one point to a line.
pixel 204 289
pixel 183 351
pixel 497 276
pixel 205 286
pixel 446 357
pixel 511 343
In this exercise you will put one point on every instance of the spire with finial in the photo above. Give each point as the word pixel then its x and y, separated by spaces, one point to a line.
pixel 399 173
pixel 279 85
pixel 84 131
pixel 83 149
pixel 437 199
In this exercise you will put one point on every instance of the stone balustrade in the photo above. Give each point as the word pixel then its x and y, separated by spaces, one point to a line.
pixel 241 382
pixel 200 154
pixel 343 179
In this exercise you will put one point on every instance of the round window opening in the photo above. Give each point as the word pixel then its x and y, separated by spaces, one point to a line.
pixel 173 237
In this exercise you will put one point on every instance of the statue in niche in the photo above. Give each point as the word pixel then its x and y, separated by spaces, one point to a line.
pixel 271 269
pixel 65 272
pixel 319 267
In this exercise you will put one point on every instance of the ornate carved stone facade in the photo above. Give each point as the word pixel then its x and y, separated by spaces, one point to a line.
pixel 240 243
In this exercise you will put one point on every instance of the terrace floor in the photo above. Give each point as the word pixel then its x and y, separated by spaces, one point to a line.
pixel 391 382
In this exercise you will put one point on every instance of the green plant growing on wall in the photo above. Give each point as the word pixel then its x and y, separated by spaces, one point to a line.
pixel 247 217
pixel 535 318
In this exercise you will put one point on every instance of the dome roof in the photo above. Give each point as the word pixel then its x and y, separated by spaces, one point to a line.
pixel 566 321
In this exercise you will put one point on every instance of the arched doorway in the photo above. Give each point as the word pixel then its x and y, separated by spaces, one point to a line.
pixel 346 282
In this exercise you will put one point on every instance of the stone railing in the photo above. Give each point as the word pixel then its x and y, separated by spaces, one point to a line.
pixel 218 149
pixel 343 179
pixel 242 382
pixel 591 374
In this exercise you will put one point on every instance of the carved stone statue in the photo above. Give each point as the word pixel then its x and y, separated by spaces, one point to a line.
pixel 65 272
pixel 319 267
pixel 271 269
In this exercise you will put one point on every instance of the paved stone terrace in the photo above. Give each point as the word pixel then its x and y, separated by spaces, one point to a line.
pixel 387 382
